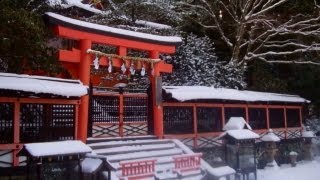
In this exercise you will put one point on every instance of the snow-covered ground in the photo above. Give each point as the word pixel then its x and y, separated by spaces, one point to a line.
pixel 305 170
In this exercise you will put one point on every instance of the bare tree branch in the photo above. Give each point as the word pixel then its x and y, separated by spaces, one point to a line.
pixel 268 7
pixel 316 4
pixel 291 62
pixel 260 34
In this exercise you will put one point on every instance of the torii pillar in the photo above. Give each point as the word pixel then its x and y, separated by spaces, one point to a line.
pixel 157 109
pixel 84 76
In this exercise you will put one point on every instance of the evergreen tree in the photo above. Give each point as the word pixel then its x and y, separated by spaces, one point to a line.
pixel 195 63
pixel 23 40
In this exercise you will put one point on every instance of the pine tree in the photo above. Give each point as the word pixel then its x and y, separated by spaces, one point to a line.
pixel 195 63
pixel 23 40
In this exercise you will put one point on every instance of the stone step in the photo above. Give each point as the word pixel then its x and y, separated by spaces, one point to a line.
pixel 112 144
pixel 144 154
pixel 169 175
pixel 108 139
pixel 134 148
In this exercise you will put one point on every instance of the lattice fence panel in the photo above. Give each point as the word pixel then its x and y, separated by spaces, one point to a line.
pixel 6 123
pixel 63 120
pixel 135 109
pixel 135 129
pixel 292 134
pixel 6 158
pixel 178 120
pixel 205 142
pixel 280 133
pixel 46 122
pixel 209 119
pixel 31 122
pixel 188 142
pixel 109 130
pixel 105 109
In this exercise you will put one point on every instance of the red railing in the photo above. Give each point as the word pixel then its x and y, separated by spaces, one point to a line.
pixel 187 162
pixel 137 169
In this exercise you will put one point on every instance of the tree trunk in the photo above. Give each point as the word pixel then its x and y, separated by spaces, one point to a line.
pixel 236 49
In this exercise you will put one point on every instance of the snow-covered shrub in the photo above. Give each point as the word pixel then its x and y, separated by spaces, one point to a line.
pixel 314 125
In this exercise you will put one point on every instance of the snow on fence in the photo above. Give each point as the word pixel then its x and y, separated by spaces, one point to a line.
pixel 187 162
pixel 137 169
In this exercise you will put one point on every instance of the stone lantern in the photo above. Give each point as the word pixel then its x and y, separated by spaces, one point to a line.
pixel 270 140
pixel 306 138
pixel 240 147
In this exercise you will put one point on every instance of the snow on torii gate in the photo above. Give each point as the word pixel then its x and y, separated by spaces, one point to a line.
pixel 78 61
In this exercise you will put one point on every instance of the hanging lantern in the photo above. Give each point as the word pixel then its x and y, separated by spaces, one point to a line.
pixel 143 71
pixel 123 68
pixel 110 65
pixel 96 62
pixel 132 70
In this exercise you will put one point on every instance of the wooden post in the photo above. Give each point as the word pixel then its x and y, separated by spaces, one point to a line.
pixel 195 126
pixel 16 133
pixel 84 76
pixel 268 119
pixel 122 51
pixel 247 113
pixel 285 122
pixel 300 117
pixel 157 108
pixel 121 113
pixel 223 118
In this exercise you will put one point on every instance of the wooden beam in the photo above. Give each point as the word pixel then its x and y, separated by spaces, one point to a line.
pixel 165 68
pixel 39 100
pixel 114 41
pixel 10 146
pixel 72 56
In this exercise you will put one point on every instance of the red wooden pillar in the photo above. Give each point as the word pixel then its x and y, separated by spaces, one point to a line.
pixel 122 51
pixel 247 113
pixel 300 117
pixel 285 122
pixel 268 118
pixel 157 108
pixel 84 76
pixel 195 126
pixel 121 114
pixel 16 133
pixel 223 117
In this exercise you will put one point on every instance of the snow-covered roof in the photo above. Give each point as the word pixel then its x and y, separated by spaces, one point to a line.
pixel 57 148
pixel 270 137
pixel 235 123
pixel 241 134
pixel 308 134
pixel 106 30
pixel 42 85
pixel 185 93
pixel 221 171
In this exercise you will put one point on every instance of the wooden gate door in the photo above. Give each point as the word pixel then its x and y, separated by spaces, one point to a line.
pixel 118 114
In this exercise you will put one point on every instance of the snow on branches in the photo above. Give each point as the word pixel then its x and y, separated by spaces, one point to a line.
pixel 256 30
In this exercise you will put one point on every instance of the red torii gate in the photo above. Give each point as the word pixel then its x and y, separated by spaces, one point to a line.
pixel 78 61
